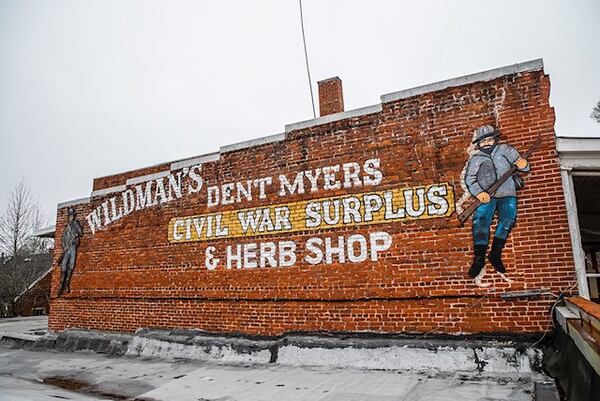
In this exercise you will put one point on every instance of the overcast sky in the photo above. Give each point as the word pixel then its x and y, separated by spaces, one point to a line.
pixel 91 88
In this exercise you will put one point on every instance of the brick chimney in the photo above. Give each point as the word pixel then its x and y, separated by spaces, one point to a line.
pixel 331 97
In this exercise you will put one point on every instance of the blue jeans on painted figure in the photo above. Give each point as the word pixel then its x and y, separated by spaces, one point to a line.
pixel 484 214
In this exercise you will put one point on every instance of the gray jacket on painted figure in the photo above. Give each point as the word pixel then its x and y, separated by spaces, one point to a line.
pixel 71 235
pixel 484 170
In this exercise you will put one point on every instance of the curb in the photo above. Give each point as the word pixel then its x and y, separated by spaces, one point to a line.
pixel 330 351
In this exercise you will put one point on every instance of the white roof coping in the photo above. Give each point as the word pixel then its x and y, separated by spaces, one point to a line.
pixel 143 178
pixel 147 177
pixel 333 117
pixel 179 163
pixel 577 144
pixel 105 191
pixel 532 65
pixel 489 75
pixel 128 171
pixel 73 202
pixel 253 142
pixel 579 153
pixel 192 161
pixel 46 232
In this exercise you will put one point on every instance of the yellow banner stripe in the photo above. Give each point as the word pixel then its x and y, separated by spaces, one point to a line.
pixel 432 201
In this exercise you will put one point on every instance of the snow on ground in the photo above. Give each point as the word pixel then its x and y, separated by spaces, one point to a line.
pixel 13 389
pixel 30 328
pixel 26 375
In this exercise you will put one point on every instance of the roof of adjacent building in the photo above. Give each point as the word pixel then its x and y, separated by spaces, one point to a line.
pixel 18 275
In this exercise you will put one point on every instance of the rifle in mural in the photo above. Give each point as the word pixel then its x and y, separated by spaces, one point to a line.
pixel 70 240
pixel 62 254
pixel 492 190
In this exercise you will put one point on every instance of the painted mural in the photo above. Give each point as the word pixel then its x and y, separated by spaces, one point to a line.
pixel 492 177
pixel 70 241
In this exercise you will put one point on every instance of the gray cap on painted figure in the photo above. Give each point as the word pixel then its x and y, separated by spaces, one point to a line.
pixel 486 131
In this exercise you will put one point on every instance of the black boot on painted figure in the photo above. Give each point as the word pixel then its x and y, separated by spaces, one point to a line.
pixel 496 258
pixel 496 254
pixel 478 260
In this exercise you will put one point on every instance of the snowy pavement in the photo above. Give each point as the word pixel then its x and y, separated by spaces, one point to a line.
pixel 28 328
pixel 51 374
pixel 15 389
pixel 40 376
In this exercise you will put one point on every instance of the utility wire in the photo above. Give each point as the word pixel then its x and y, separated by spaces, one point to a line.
pixel 312 97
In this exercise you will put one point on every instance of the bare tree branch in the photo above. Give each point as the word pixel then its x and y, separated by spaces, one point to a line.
pixel 26 256
pixel 22 216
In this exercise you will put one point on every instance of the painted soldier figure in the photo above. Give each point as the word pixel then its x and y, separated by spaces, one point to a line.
pixel 484 168
pixel 70 242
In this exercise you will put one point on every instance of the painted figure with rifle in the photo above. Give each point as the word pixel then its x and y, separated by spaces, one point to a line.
pixel 492 178
pixel 70 242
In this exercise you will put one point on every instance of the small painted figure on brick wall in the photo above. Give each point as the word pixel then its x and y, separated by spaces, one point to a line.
pixel 70 241
pixel 487 164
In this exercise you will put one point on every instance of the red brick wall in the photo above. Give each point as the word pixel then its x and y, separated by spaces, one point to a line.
pixel 120 179
pixel 129 275
pixel 331 97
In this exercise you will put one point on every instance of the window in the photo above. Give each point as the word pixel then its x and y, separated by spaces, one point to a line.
pixel 39 311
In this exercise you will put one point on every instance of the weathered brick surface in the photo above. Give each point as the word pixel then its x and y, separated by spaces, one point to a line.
pixel 331 97
pixel 120 179
pixel 129 275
